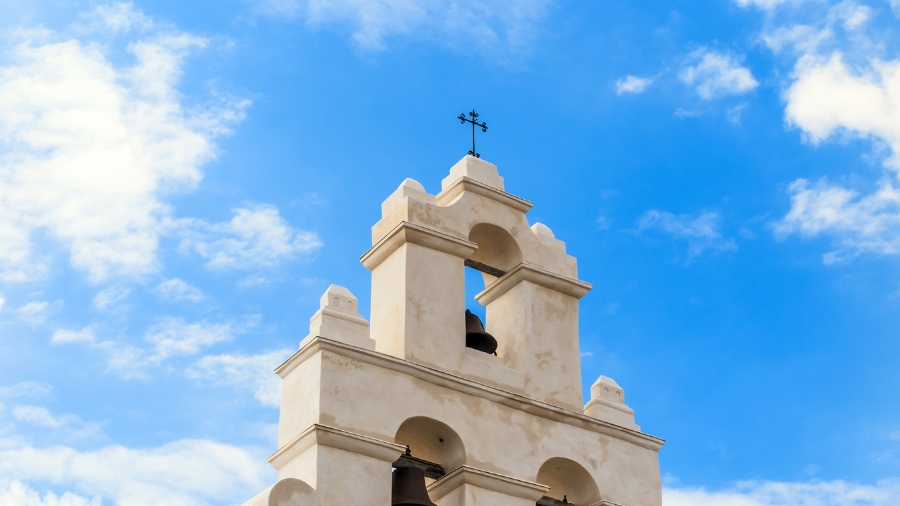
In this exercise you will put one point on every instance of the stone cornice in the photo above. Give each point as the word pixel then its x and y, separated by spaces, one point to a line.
pixel 340 315
pixel 417 234
pixel 614 405
pixel 536 275
pixel 477 187
pixel 487 480
pixel 335 438
pixel 467 386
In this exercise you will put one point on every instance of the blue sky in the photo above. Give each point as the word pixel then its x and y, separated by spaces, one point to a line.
pixel 179 183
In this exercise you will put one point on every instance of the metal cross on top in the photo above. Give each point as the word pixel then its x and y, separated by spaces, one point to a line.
pixel 474 121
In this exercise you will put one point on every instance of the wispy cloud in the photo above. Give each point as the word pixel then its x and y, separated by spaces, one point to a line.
pixel 178 290
pixel 772 493
pixel 34 312
pixel 500 28
pixel 67 425
pixel 252 372
pixel 632 84
pixel 116 18
pixel 715 74
pixel 767 4
pixel 859 224
pixel 110 296
pixel 29 389
pixel 85 335
pixel 173 336
pixel 256 236
pixel 89 147
pixel 169 337
pixel 701 231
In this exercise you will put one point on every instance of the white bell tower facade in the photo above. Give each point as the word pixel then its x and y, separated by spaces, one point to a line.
pixel 510 429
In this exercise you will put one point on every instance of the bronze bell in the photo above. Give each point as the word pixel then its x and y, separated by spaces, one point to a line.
pixel 408 488
pixel 476 337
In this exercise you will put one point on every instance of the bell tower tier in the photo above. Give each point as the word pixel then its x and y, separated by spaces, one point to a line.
pixel 420 248
pixel 507 428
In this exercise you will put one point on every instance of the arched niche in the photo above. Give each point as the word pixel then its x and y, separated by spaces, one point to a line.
pixel 568 478
pixel 496 248
pixel 433 441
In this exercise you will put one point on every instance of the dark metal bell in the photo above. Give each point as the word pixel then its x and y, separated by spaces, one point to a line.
pixel 476 337
pixel 408 488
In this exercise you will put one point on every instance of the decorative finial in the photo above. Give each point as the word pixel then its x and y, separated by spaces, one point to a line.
pixel 474 121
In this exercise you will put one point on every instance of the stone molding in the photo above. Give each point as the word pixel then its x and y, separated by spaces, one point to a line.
pixel 614 405
pixel 463 184
pixel 542 277
pixel 341 314
pixel 406 232
pixel 469 387
pixel 486 480
pixel 324 435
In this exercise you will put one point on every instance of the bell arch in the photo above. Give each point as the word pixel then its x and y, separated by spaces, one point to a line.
pixel 432 440
pixel 568 478
pixel 496 248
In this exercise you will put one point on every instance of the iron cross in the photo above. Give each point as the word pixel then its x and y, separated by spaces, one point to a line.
pixel 474 121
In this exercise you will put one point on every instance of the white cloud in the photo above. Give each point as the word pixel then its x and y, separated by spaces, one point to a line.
pixel 27 389
pixel 117 17
pixel 840 89
pixel 770 493
pixel 85 335
pixel 828 97
pixel 173 336
pixel 703 231
pixel 716 74
pixel 498 27
pixel 37 415
pixel 110 295
pixel 88 147
pixel 177 290
pixel 852 14
pixel 734 113
pixel 2 301
pixel 253 372
pixel 255 237
pixel 16 493
pixel 870 223
pixel 632 84
pixel 803 38
pixel 128 362
pixel 34 313
pixel 766 4
pixel 69 425
pixel 182 473
pixel 168 338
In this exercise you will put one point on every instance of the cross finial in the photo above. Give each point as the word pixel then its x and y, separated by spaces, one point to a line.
pixel 474 121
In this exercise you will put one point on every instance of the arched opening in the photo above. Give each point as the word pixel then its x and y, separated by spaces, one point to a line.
pixel 496 249
pixel 567 478
pixel 431 440
pixel 497 253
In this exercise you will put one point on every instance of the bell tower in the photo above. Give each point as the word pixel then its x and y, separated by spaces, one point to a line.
pixel 373 414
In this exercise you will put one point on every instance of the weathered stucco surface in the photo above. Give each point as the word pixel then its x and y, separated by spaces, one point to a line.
pixel 508 429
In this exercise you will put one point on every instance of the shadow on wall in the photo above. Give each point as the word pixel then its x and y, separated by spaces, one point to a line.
pixel 567 478
pixel 431 440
